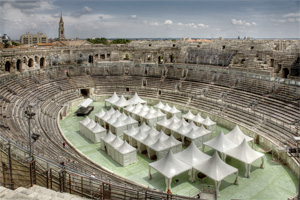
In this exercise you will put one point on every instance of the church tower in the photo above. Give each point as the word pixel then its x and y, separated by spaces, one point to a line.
pixel 61 30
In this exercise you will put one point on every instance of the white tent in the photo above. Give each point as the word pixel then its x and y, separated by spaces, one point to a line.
pixel 169 166
pixel 112 99
pixel 159 148
pixel 126 154
pixel 123 117
pixel 85 103
pixel 111 111
pixel 209 124
pixel 99 115
pixel 146 142
pixel 83 123
pixel 161 135
pixel 107 139
pixel 245 154
pixel 175 145
pixel 128 109
pixel 160 105
pixel 131 122
pixel 237 136
pixel 111 146
pixel 174 111
pixel 179 132
pixel 196 136
pixel 87 130
pixel 136 100
pixel 121 103
pixel 192 156
pixel 207 133
pixel 118 127
pixel 198 119
pixel 97 132
pixel 162 124
pixel 137 137
pixel 220 143
pixel 189 116
pixel 166 110
pixel 144 127
pixel 217 170
pixel 174 119
pixel 128 133
pixel 160 115
pixel 191 125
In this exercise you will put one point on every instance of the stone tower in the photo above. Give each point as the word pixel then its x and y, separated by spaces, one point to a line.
pixel 61 29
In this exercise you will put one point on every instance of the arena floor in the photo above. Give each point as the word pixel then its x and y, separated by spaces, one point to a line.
pixel 275 181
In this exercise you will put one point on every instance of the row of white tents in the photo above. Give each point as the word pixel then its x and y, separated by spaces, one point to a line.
pixel 143 113
pixel 197 119
pixel 168 110
pixel 91 130
pixel 121 102
pixel 119 150
pixel 153 141
pixel 115 120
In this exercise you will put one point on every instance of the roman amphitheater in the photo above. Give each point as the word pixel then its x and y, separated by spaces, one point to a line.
pixel 254 84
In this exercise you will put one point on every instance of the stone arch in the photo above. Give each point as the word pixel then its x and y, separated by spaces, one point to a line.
pixel 42 62
pixel 7 66
pixel 19 65
pixel 91 59
pixel 30 62
pixel 285 72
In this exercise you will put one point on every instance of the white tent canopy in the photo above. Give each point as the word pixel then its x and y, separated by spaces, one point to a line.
pixel 220 143
pixel 159 148
pixel 217 170
pixel 107 139
pixel 111 146
pixel 209 124
pixel 136 100
pixel 125 154
pixel 160 105
pixel 237 136
pixel 96 133
pixel 85 103
pixel 192 156
pixel 189 116
pixel 122 102
pixel 169 166
pixel 114 98
pixel 99 115
pixel 245 154
pixel 199 120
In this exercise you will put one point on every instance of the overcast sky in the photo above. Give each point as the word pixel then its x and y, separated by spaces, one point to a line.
pixel 152 19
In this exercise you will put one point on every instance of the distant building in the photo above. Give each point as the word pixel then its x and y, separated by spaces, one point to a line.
pixel 33 38
pixel 61 30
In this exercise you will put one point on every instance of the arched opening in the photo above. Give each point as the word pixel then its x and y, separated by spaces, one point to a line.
pixel 30 62
pixel 272 62
pixel 42 62
pixel 159 60
pixel 7 66
pixel 91 59
pixel 285 72
pixel 19 65
pixel 25 60
pixel 36 58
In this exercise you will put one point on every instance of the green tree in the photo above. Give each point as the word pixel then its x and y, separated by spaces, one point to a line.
pixel 120 41
pixel 98 41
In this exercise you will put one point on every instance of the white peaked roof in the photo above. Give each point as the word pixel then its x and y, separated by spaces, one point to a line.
pixel 119 123
pixel 182 121
pixel 152 110
pixel 144 127
pixel 191 125
pixel 198 118
pixel 182 130
pixel 220 143
pixel 130 107
pixel 159 113
pixel 203 131
pixel 116 142
pixel 136 99
pixel 152 131
pixel 85 103
pixel 174 118
pixel 161 135
pixel 192 155
pixel 160 105
pixel 122 102
pixel 131 131
pixel 143 112
pixel 237 136
pixel 170 166
pixel 123 117
pixel 97 128
pixel 215 168
pixel 193 134
pixel 91 124
pixel 111 120
pixel 171 141
pixel 137 109
pixel 174 125
pixel 109 137
pixel 188 115
pixel 149 140
pixel 139 106
pixel 117 114
pixel 129 120
pixel 208 122
pixel 125 148
pixel 101 113
pixel 159 145
pixel 174 110
pixel 111 111
pixel 149 115
pixel 140 135
pixel 164 122
pixel 244 153
pixel 167 107
pixel 85 121
pixel 114 98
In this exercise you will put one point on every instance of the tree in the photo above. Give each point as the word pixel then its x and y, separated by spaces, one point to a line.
pixel 120 41
pixel 98 41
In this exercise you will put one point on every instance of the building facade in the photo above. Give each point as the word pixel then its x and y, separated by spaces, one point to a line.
pixel 33 38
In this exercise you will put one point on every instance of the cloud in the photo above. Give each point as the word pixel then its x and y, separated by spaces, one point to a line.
pixel 31 6
pixel 168 22
pixel 242 22
pixel 85 10
pixel 132 17
pixel 292 15
pixel 202 25
pixel 193 25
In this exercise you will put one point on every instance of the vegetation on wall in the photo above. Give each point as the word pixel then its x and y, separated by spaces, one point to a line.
pixel 106 42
